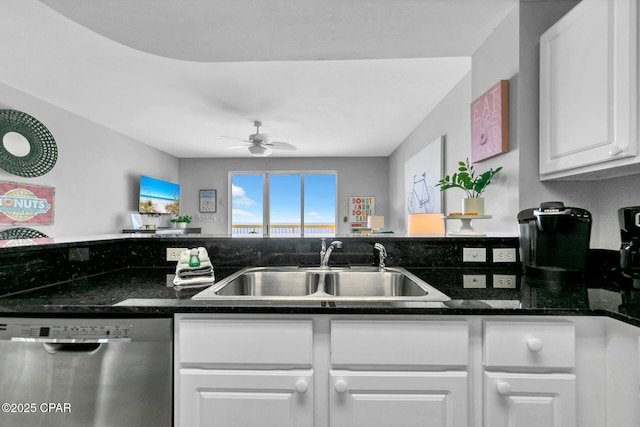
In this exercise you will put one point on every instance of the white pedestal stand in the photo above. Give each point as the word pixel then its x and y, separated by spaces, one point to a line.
pixel 466 229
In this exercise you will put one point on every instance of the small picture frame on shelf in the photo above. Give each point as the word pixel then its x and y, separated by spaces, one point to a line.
pixel 208 201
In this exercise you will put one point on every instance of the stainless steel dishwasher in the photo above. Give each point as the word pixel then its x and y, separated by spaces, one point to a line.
pixel 76 372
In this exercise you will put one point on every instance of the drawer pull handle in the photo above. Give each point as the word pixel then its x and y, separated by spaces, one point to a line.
pixel 301 386
pixel 341 386
pixel 504 388
pixel 535 344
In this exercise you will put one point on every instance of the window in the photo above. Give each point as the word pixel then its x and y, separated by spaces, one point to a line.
pixel 283 204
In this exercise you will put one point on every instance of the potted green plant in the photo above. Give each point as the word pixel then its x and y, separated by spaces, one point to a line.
pixel 473 185
pixel 181 221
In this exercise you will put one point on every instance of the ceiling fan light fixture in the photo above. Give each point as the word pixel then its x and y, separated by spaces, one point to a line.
pixel 259 150
pixel 260 144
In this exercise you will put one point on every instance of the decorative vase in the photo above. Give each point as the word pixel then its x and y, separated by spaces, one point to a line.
pixel 182 225
pixel 473 206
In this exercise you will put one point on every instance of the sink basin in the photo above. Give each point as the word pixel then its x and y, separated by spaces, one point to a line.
pixel 372 284
pixel 266 282
pixel 333 283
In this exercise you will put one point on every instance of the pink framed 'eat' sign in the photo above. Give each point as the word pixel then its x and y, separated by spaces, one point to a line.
pixel 490 123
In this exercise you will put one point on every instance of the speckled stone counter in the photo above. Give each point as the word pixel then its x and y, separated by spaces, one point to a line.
pixel 128 276
pixel 143 291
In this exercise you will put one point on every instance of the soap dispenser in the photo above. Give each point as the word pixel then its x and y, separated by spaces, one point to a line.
pixel 194 259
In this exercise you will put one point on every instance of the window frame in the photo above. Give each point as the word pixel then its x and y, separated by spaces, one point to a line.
pixel 266 202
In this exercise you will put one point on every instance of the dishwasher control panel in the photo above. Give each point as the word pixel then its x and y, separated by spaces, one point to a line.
pixel 64 329
pixel 74 331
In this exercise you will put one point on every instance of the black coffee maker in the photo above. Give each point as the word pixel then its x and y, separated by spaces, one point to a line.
pixel 629 219
pixel 554 242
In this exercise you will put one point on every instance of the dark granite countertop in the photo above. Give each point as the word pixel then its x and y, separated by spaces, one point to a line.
pixel 144 291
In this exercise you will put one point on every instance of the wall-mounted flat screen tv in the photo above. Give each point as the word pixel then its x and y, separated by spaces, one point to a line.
pixel 158 197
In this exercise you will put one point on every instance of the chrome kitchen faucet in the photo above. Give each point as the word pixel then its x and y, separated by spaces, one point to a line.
pixel 325 253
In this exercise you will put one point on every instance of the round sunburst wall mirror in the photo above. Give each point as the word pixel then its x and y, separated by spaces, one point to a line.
pixel 27 148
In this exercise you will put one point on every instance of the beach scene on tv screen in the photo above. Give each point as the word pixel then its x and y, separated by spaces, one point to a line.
pixel 157 196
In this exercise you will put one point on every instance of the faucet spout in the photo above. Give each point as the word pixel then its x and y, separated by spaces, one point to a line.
pixel 323 249
pixel 336 244
pixel 382 254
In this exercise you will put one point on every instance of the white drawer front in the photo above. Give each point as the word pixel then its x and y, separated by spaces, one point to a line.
pixel 400 343
pixel 549 345
pixel 237 342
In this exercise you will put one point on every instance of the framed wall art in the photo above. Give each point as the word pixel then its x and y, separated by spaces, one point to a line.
pixel 360 207
pixel 421 174
pixel 208 201
pixel 22 204
pixel 490 123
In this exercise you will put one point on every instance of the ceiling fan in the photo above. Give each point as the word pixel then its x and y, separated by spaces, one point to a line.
pixel 260 144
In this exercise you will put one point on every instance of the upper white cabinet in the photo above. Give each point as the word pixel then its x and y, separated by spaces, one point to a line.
pixel 588 92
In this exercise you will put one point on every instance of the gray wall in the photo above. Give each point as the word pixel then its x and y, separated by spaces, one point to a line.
pixel 97 173
pixel 496 59
pixel 450 119
pixel 356 177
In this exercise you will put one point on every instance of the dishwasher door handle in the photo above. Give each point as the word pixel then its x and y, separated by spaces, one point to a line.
pixel 75 348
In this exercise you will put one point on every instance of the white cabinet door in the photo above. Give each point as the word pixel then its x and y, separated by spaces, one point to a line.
pixel 245 398
pixel 529 400
pixel 407 399
pixel 588 89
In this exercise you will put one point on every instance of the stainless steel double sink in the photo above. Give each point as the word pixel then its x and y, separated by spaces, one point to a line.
pixel 353 283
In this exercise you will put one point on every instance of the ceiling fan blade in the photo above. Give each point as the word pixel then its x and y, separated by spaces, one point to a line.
pixel 279 145
pixel 234 137
pixel 233 147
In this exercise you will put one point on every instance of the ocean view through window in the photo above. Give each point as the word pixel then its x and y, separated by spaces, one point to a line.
pixel 283 204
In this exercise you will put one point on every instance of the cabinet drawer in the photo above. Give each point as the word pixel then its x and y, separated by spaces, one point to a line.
pixel 239 342
pixel 549 345
pixel 409 344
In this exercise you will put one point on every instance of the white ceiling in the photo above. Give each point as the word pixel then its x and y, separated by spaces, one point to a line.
pixel 334 77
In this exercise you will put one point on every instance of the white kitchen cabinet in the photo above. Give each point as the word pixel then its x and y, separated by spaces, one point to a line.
pixel 408 399
pixel 529 377
pixel 623 374
pixel 530 400
pixel 399 372
pixel 589 92
pixel 357 370
pixel 245 398
pixel 243 372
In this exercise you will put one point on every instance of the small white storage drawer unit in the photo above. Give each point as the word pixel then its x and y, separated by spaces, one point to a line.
pixel 545 345
pixel 399 372
pixel 529 377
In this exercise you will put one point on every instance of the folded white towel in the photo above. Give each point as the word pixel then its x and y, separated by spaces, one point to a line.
pixel 194 281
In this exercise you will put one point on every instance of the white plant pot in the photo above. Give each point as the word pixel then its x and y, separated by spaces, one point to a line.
pixel 182 224
pixel 473 205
